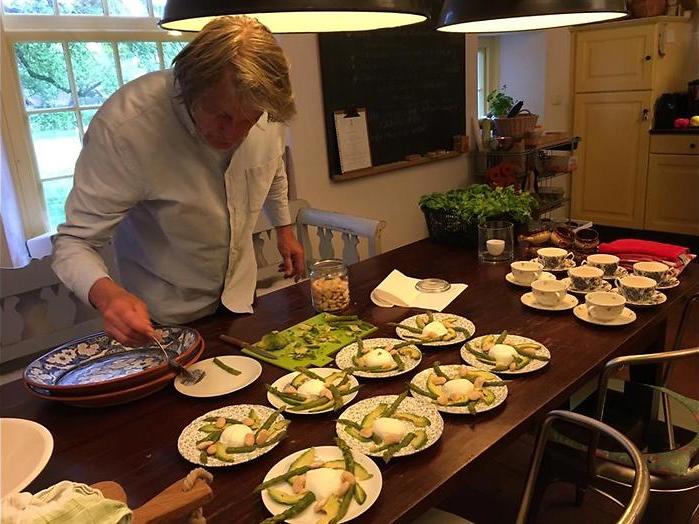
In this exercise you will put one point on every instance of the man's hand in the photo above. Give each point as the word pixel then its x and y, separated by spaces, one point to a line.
pixel 125 315
pixel 294 263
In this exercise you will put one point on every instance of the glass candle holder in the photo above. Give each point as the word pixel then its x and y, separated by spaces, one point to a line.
pixel 495 241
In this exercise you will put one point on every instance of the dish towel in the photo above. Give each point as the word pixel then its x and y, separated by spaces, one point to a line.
pixel 64 503
pixel 631 250
pixel 398 289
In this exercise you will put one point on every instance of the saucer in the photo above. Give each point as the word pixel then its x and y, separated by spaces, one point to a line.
pixel 658 298
pixel 378 301
pixel 606 286
pixel 621 272
pixel 567 264
pixel 545 275
pixel 568 302
pixel 669 284
pixel 627 316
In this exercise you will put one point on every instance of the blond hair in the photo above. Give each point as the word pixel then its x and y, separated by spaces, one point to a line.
pixel 247 49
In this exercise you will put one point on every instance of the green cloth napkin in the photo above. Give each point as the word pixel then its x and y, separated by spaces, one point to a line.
pixel 64 503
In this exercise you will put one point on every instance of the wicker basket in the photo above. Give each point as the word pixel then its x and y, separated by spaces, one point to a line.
pixel 446 228
pixel 517 126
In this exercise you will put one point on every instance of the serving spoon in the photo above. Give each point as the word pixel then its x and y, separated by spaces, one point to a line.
pixel 189 378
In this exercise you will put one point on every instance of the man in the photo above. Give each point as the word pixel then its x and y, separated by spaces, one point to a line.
pixel 176 167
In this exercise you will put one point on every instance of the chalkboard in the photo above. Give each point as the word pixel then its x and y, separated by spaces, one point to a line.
pixel 411 82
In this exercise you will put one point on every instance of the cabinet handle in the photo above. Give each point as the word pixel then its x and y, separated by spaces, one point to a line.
pixel 647 58
pixel 644 114
pixel 692 145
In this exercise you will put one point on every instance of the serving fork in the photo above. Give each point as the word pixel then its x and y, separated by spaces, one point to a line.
pixel 189 378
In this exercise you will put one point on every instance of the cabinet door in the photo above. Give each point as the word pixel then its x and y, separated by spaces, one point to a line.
pixel 618 59
pixel 672 200
pixel 609 186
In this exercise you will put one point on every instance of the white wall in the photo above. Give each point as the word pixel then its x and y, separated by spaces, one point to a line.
pixel 391 196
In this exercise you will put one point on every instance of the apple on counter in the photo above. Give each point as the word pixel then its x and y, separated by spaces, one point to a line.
pixel 681 123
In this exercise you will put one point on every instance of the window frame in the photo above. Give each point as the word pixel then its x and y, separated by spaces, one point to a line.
pixel 490 47
pixel 18 28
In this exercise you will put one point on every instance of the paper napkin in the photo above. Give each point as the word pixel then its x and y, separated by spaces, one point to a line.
pixel 399 290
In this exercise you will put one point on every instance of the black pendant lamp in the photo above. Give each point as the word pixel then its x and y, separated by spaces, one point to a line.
pixel 502 16
pixel 298 16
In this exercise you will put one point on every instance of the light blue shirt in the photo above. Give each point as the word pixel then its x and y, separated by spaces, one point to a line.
pixel 180 219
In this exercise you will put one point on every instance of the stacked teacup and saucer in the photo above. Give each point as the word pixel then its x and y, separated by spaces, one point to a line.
pixel 604 308
pixel 639 291
pixel 554 259
pixel 549 295
pixel 663 274
pixel 609 264
pixel 586 279
pixel 524 272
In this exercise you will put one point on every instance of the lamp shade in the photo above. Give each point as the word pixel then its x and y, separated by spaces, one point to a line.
pixel 298 16
pixel 502 16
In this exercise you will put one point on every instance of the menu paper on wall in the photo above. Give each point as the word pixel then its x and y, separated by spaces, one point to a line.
pixel 352 140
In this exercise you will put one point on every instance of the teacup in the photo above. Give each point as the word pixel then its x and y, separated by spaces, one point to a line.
pixel 553 257
pixel 637 289
pixel 585 278
pixel 549 292
pixel 604 305
pixel 526 272
pixel 607 263
pixel 495 246
pixel 656 270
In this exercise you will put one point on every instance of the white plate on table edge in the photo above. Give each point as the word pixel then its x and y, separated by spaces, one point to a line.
pixel 534 365
pixel 606 286
pixel 661 298
pixel 420 380
pixel 458 321
pixel 216 381
pixel 621 272
pixel 567 264
pixel 356 413
pixel 371 486
pixel 187 441
pixel 669 284
pixel 282 382
pixel 33 460
pixel 545 275
pixel 343 359
pixel 568 302
pixel 627 316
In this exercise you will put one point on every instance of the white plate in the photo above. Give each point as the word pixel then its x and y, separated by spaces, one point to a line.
pixel 606 286
pixel 669 284
pixel 284 381
pixel 371 486
pixel 187 443
pixel 658 298
pixel 627 316
pixel 545 275
pixel 567 264
pixel 452 370
pixel 344 358
pixel 25 449
pixel 458 321
pixel 621 272
pixel 218 382
pixel 378 301
pixel 534 365
pixel 568 302
pixel 357 411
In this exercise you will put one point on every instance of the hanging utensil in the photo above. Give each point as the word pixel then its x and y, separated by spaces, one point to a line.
pixel 515 109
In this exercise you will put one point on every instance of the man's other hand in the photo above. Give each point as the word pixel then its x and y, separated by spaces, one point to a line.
pixel 125 315
pixel 293 260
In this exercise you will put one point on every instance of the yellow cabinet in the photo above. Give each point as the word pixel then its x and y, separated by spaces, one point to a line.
pixel 609 186
pixel 672 202
pixel 615 59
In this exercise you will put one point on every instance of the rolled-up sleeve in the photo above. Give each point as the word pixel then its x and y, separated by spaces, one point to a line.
pixel 276 205
pixel 104 189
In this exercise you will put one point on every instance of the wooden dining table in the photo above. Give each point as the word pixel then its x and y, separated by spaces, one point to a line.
pixel 136 444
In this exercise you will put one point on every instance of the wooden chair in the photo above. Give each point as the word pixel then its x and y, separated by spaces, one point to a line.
pixel 633 512
pixel 38 312
pixel 336 233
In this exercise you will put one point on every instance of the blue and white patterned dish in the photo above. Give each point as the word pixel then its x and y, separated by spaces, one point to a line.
pixel 98 359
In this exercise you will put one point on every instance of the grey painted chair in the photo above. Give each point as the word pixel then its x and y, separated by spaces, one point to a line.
pixel 338 236
pixel 633 510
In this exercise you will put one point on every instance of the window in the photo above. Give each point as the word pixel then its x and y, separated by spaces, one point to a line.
pixel 488 70
pixel 482 72
pixel 63 80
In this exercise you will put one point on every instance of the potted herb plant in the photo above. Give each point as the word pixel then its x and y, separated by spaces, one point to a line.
pixel 453 217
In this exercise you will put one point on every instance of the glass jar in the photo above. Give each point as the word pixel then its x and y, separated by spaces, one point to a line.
pixel 495 241
pixel 329 285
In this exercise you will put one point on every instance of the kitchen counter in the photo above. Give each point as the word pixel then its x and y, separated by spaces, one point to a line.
pixel 687 131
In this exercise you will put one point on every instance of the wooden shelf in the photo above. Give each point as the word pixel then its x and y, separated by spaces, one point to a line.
pixel 376 170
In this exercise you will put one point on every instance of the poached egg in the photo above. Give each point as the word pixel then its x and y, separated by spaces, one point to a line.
pixel 379 358
pixel 323 482
pixel 311 388
pixel 390 429
pixel 234 436
pixel 459 387
pixel 434 330
pixel 503 354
